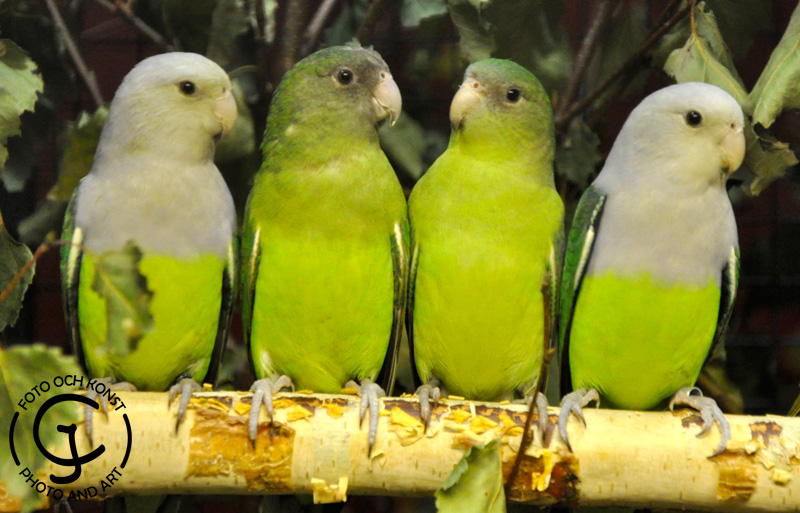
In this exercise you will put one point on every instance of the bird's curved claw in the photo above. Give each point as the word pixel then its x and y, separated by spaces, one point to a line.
pixel 429 392
pixel 102 400
pixel 263 390
pixel 541 410
pixel 185 386
pixel 370 394
pixel 709 412
pixel 574 403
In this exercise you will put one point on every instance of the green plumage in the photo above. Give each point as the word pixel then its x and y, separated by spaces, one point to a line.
pixel 322 284
pixel 486 224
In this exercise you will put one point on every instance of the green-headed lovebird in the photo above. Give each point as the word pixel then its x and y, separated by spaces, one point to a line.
pixel 155 199
pixel 486 227
pixel 324 242
pixel 652 261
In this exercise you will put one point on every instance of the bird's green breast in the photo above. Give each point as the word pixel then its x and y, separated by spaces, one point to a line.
pixel 638 340
pixel 185 306
pixel 324 291
pixel 484 237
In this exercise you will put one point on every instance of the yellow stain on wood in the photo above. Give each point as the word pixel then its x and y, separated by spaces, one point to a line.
pixel 543 472
pixel 8 502
pixel 407 428
pixel 220 445
pixel 738 475
pixel 325 493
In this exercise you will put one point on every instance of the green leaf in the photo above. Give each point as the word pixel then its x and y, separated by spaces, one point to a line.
pixel 705 58
pixel 47 218
pixel 20 84
pixel 408 145
pixel 13 257
pixel 529 33
pixel 79 141
pixel 778 87
pixel 414 11
pixel 740 21
pixel 476 483
pixel 117 279
pixel 765 157
pixel 241 140
pixel 21 368
pixel 578 155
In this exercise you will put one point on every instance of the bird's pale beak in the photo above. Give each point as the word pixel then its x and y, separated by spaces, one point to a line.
pixel 225 111
pixel 733 148
pixel 468 96
pixel 386 99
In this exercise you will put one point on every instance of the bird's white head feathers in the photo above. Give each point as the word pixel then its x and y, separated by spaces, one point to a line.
pixel 174 103
pixel 685 135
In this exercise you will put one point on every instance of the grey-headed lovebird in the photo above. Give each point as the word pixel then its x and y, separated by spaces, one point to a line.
pixel 324 241
pixel 486 227
pixel 652 262
pixel 153 184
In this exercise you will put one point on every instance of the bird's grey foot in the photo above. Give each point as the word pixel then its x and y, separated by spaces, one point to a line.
pixel 263 390
pixel 709 411
pixel 574 403
pixel 429 392
pixel 370 394
pixel 541 409
pixel 185 386
pixel 102 400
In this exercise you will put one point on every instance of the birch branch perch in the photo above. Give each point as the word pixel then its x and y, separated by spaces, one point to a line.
pixel 316 446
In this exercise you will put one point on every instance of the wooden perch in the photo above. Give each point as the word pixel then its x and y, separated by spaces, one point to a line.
pixel 316 446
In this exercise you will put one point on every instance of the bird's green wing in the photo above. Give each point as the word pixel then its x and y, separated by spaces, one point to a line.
pixel 228 292
pixel 579 250
pixel 251 254
pixel 412 284
pixel 71 256
pixel 400 268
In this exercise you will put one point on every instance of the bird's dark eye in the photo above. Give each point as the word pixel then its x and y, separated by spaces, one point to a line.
pixel 693 118
pixel 344 76
pixel 512 95
pixel 187 87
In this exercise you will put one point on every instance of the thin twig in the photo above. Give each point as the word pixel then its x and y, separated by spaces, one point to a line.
pixel 41 250
pixel 314 29
pixel 367 29
pixel 587 48
pixel 87 76
pixel 141 26
pixel 632 60
pixel 293 33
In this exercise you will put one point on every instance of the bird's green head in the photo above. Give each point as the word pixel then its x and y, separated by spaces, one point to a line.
pixel 174 103
pixel 338 92
pixel 502 106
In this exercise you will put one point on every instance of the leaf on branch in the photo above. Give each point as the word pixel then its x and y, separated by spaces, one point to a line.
pixel 706 58
pixel 79 142
pixel 13 257
pixel 21 368
pixel 188 23
pixel 740 21
pixel 414 11
pixel 20 83
pixel 778 87
pixel 765 157
pixel 408 144
pixel 577 156
pixel 46 219
pixel 118 281
pixel 476 483
pixel 512 29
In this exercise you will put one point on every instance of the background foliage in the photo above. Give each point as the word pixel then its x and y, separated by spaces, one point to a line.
pixel 60 62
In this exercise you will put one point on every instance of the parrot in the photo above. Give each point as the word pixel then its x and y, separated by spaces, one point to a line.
pixel 325 236
pixel 486 232
pixel 652 261
pixel 153 183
